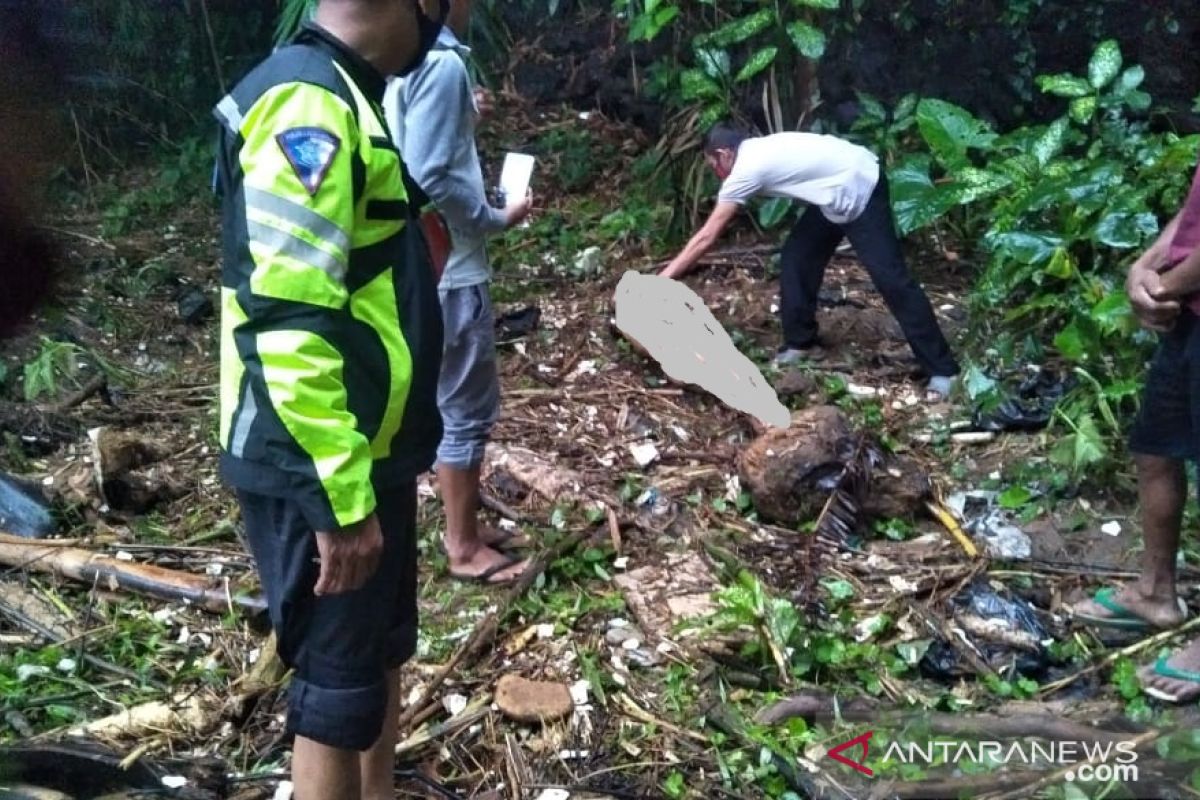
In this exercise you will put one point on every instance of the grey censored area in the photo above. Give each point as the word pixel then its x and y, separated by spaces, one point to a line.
pixel 673 324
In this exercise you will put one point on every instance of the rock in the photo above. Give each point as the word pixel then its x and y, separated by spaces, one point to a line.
pixel 790 472
pixel 532 701
pixel 795 383
pixel 194 306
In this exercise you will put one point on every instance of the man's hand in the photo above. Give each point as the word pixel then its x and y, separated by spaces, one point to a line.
pixel 348 557
pixel 517 210
pixel 1144 287
pixel 483 103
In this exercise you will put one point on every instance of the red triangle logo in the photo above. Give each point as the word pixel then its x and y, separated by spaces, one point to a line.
pixel 862 739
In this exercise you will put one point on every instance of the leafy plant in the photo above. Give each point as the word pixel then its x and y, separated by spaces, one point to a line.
pixel 1059 210
pixel 734 46
pixel 54 363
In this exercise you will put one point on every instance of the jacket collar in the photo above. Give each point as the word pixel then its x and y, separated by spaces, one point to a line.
pixel 447 40
pixel 369 79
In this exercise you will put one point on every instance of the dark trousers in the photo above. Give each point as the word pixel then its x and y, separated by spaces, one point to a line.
pixel 807 252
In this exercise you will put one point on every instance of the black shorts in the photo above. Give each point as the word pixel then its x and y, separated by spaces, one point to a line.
pixel 340 646
pixel 1169 421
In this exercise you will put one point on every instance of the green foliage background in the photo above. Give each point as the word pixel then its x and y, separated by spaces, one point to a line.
pixel 1048 198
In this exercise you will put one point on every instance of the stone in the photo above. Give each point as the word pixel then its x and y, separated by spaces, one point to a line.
pixel 795 383
pixel 790 472
pixel 533 701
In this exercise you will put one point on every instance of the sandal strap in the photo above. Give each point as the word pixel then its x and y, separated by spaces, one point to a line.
pixel 1104 598
pixel 1161 667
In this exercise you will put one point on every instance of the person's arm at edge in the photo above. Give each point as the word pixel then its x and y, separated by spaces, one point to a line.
pixel 702 241
pixel 1152 258
pixel 1144 284
pixel 435 95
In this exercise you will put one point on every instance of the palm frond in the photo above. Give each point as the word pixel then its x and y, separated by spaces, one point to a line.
pixel 841 515
pixel 292 14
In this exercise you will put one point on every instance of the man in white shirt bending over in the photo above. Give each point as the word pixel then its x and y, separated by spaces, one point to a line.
pixel 849 193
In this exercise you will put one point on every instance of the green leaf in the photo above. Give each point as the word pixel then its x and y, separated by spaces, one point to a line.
pixel 714 61
pixel 1105 64
pixel 808 40
pixel 830 4
pixel 741 29
pixel 1026 248
pixel 773 211
pixel 916 202
pixel 1125 229
pixel 1130 79
pixel 757 63
pixel 1071 343
pixel 1137 100
pixel 1089 446
pixel 1112 313
pixel 977 382
pixel 1051 143
pixel 1064 85
pixel 695 85
pixel 1072 791
pixel 839 589
pixel 1083 109
pixel 1014 498
pixel 951 131
pixel 1061 264
pixel 905 108
pixel 912 652
pixel 972 184
pixel 872 110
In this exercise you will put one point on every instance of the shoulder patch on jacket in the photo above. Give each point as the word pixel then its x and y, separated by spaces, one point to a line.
pixel 310 151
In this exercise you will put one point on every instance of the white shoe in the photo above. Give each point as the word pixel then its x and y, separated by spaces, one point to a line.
pixel 939 388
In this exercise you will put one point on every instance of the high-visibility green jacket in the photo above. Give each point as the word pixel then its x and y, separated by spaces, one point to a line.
pixel 331 332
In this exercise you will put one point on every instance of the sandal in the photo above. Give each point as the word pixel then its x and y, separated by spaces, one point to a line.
pixel 1122 618
pixel 486 576
pixel 1165 670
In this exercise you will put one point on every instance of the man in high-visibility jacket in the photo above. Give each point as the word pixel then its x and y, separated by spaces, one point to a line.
pixel 330 349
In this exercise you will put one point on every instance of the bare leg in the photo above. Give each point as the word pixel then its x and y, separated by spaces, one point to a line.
pixel 321 772
pixel 378 764
pixel 468 553
pixel 1162 493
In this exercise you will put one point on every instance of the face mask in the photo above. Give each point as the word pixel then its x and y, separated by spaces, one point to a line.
pixel 427 33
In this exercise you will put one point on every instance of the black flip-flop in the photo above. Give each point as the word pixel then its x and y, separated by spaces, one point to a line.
pixel 504 544
pixel 485 576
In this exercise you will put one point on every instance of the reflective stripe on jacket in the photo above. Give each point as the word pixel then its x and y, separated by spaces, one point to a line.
pixel 331 332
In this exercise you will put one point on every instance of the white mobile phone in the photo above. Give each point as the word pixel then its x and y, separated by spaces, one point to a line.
pixel 515 175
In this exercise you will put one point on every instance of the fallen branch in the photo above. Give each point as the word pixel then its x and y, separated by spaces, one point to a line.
pixel 816 707
pixel 475 711
pixel 1030 789
pixel 957 639
pixel 185 714
pixel 642 715
pixel 109 573
pixel 1133 649
pixel 485 630
pixel 97 383
pixel 721 719
pixel 950 788
pixel 503 509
